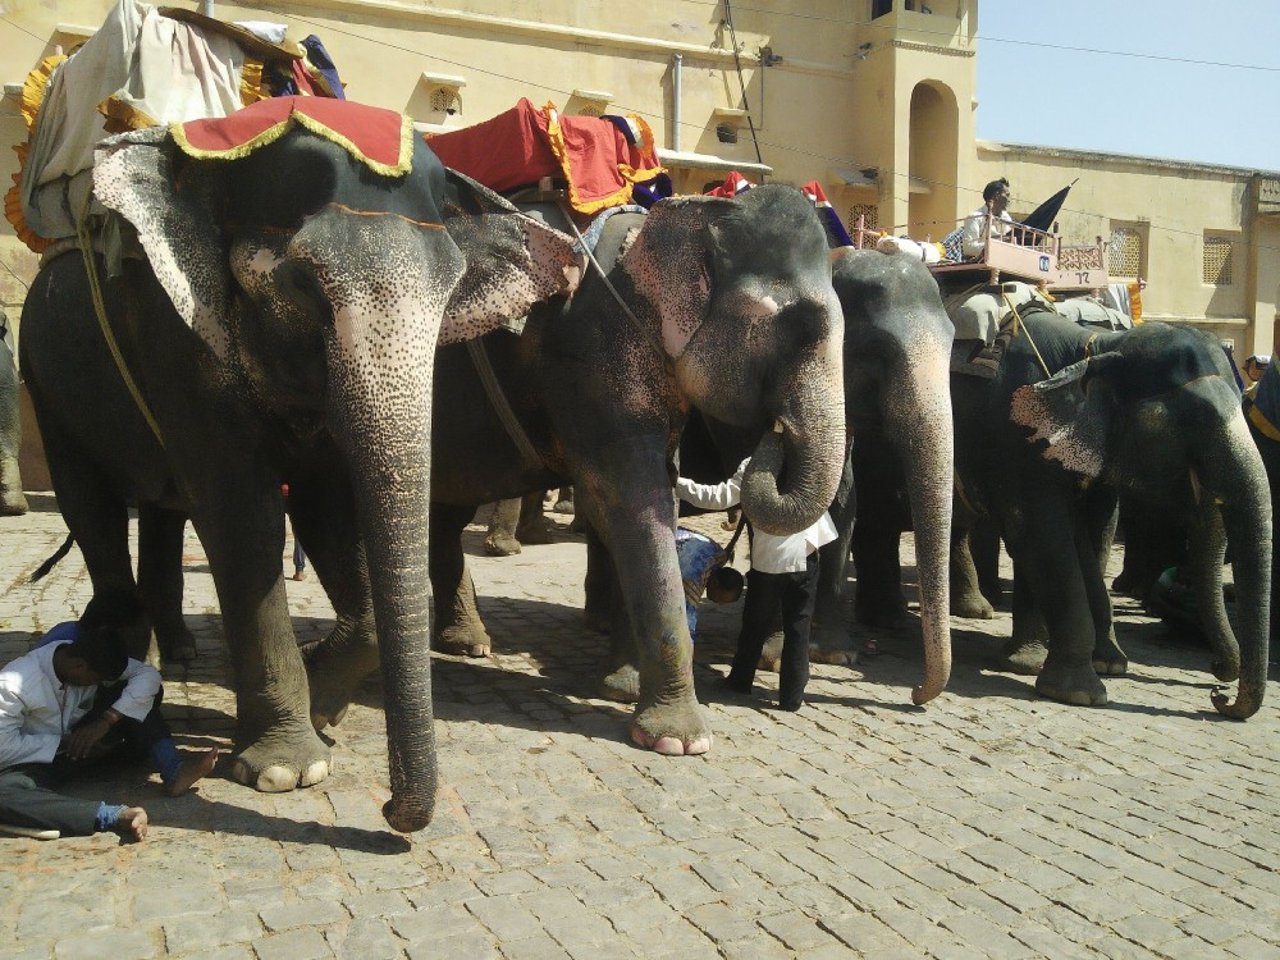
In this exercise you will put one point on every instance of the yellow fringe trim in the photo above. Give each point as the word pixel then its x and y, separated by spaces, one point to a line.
pixel 1265 426
pixel 123 117
pixel 629 173
pixel 33 90
pixel 276 131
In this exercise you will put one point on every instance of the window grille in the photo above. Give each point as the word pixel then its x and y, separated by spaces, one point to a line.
pixel 1124 252
pixel 869 211
pixel 1217 261
pixel 446 100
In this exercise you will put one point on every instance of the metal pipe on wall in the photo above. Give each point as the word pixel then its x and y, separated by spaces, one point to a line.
pixel 677 60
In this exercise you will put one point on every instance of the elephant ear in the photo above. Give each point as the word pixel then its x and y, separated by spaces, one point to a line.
pixel 667 264
pixel 1071 411
pixel 513 260
pixel 134 175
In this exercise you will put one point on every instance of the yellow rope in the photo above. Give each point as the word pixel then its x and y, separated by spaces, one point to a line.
pixel 1018 321
pixel 100 308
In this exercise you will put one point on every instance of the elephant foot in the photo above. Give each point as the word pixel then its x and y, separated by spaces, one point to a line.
pixel 501 546
pixel 1077 685
pixel 973 607
pixel 463 640
pixel 533 533
pixel 563 506
pixel 1109 659
pixel 179 648
pixel 771 655
pixel 671 729
pixel 331 695
pixel 837 656
pixel 12 503
pixel 622 686
pixel 278 763
pixel 1026 658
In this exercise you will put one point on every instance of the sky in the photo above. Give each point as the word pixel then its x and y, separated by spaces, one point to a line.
pixel 1113 93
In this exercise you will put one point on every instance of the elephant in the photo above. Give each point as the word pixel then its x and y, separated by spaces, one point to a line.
pixel 1259 409
pixel 898 407
pixel 724 304
pixel 276 317
pixel 1071 417
pixel 12 500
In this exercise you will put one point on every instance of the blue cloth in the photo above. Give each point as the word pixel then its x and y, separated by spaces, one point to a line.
pixel 68 632
pixel 107 816
pixel 319 58
pixel 1266 397
pixel 698 556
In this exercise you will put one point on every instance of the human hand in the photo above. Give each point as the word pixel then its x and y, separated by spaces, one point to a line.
pixel 79 743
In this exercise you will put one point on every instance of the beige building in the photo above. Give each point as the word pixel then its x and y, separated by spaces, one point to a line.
pixel 873 98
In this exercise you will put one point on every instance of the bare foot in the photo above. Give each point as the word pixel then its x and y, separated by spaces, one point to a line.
pixel 300 575
pixel 191 771
pixel 132 823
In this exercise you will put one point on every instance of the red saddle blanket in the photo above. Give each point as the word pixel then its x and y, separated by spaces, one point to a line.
pixel 522 145
pixel 380 139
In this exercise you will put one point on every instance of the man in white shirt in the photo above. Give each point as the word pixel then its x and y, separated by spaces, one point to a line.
pixel 995 202
pixel 784 572
pixel 65 701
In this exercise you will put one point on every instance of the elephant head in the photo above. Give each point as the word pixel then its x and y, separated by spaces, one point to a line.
pixel 1158 415
pixel 740 290
pixel 320 287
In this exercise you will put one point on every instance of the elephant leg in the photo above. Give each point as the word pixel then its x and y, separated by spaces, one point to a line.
pixel 604 605
pixel 12 500
pixel 879 601
pixel 564 501
pixel 502 541
pixel 984 548
pixel 1045 542
pixel 160 538
pixel 533 527
pixel 600 586
pixel 456 626
pixel 1026 650
pixel 635 513
pixel 967 599
pixel 1100 514
pixel 322 514
pixel 830 641
pixel 98 519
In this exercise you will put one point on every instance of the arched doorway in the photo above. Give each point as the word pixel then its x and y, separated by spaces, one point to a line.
pixel 935 125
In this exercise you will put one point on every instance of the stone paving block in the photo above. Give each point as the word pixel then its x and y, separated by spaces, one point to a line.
pixel 1250 947
pixel 471 947
pixel 537 947
pixel 303 913
pixel 505 917
pixel 293 945
pixel 116 944
pixel 238 951
pixel 721 924
pixel 388 903
pixel 189 934
pixel 366 939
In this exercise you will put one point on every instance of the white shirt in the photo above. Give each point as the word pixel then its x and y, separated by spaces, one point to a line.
pixel 37 709
pixel 974 235
pixel 769 553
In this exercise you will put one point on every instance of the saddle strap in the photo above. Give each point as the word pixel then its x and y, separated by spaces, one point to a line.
pixel 493 389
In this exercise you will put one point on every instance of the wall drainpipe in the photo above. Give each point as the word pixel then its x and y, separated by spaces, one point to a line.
pixel 677 60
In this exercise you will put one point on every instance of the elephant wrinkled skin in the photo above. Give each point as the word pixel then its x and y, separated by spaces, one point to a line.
pixel 280 327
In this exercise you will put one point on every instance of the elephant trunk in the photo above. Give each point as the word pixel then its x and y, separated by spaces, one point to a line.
pixel 387 312
pixel 918 420
pixel 795 468
pixel 1232 489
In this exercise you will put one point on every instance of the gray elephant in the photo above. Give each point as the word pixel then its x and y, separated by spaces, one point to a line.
pixel 12 500
pixel 277 318
pixel 1071 416
pixel 725 304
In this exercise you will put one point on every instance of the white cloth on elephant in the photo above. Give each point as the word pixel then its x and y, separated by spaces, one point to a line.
pixel 769 553
pixel 166 69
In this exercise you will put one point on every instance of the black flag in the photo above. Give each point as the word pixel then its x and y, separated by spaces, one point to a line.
pixel 1042 217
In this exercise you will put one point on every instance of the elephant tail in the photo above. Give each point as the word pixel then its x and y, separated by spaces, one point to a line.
pixel 52 562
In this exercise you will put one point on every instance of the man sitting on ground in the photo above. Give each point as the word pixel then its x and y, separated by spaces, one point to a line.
pixel 77 697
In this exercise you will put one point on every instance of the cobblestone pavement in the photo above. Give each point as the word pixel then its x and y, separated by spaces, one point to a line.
pixel 988 824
